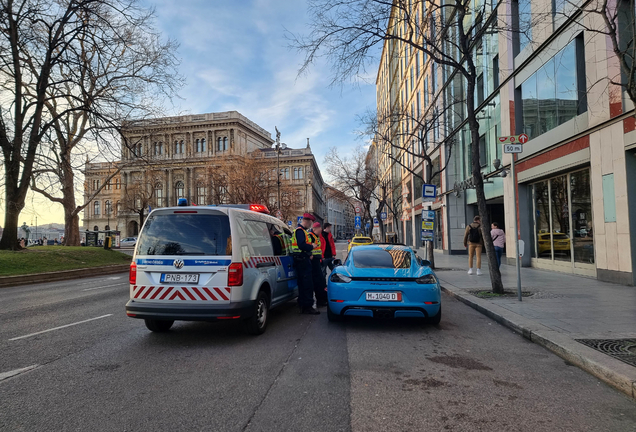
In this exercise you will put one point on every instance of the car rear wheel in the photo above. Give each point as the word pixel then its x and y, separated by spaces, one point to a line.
pixel 159 326
pixel 333 317
pixel 435 319
pixel 257 323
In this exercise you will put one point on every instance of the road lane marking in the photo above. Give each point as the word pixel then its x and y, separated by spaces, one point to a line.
pixel 105 286
pixel 6 375
pixel 60 327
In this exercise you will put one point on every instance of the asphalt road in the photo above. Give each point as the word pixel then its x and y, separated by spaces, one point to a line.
pixel 106 372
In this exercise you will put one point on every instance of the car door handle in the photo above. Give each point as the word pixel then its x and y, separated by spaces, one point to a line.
pixel 265 264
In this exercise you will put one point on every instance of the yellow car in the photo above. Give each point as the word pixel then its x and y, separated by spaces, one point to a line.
pixel 561 243
pixel 359 240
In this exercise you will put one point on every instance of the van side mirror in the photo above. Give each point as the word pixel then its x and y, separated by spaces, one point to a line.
pixel 337 262
pixel 426 263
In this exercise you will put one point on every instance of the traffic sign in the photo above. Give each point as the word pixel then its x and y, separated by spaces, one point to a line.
pixel 429 192
pixel 376 222
pixel 513 148
pixel 279 214
pixel 289 223
pixel 512 139
pixel 358 209
pixel 300 218
pixel 428 215
pixel 383 215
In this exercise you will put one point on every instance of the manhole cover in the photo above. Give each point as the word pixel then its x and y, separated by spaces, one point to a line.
pixel 621 349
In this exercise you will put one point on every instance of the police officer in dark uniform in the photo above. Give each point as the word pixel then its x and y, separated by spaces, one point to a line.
pixel 316 264
pixel 302 251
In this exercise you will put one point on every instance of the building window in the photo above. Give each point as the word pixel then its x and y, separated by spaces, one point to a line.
pixel 95 228
pixel 108 185
pixel 203 145
pixel 284 173
pixel 550 97
pixel 179 190
pixel 140 150
pixel 522 23
pixel 96 208
pixel 221 144
pixel 178 147
pixel 107 208
pixel 298 173
pixel 198 146
pixel 202 192
pixel 117 208
pixel 158 195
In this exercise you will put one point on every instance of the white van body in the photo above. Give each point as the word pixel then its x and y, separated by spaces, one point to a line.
pixel 184 257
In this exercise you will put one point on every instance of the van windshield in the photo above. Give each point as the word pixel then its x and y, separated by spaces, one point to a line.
pixel 185 234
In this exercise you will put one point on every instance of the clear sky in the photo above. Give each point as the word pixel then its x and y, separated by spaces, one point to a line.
pixel 234 56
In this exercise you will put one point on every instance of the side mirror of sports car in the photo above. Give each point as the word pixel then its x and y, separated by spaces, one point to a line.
pixel 337 262
pixel 426 263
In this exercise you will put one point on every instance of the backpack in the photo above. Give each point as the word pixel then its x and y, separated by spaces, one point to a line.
pixel 473 234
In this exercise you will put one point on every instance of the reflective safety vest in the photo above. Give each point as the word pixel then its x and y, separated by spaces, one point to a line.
pixel 283 243
pixel 318 249
pixel 294 243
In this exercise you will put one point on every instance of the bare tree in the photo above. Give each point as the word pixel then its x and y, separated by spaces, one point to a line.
pixel 120 71
pixel 349 32
pixel 44 48
pixel 413 141
pixel 138 197
pixel 237 179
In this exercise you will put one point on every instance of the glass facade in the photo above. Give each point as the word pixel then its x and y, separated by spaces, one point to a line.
pixel 562 219
pixel 550 96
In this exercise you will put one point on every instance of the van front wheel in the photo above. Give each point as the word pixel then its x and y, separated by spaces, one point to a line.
pixel 159 326
pixel 257 323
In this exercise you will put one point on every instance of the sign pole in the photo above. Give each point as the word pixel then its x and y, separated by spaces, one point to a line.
pixel 516 228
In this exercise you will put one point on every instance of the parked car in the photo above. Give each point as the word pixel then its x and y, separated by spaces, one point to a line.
pixel 209 263
pixel 359 240
pixel 128 242
pixel 384 281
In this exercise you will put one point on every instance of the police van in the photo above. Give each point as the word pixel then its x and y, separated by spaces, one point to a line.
pixel 208 263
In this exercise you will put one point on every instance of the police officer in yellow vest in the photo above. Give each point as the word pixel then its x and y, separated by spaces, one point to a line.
pixel 318 276
pixel 302 251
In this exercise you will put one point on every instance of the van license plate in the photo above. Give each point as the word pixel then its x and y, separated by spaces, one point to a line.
pixel 180 277
pixel 384 296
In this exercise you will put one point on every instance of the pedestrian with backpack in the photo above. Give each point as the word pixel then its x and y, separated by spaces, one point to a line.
pixel 474 241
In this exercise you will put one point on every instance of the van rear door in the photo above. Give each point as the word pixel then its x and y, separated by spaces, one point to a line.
pixel 183 257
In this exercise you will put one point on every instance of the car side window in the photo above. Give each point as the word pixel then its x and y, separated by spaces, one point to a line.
pixel 277 238
pixel 258 238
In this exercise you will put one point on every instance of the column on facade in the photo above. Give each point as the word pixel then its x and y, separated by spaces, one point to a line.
pixel 191 187
pixel 166 188
pixel 170 186
pixel 188 144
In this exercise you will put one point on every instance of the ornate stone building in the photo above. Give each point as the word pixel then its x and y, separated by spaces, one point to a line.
pixel 169 158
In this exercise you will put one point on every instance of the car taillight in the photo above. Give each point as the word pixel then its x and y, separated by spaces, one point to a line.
pixel 132 274
pixel 235 274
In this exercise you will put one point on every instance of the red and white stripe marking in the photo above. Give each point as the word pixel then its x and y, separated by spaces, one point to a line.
pixel 252 262
pixel 143 292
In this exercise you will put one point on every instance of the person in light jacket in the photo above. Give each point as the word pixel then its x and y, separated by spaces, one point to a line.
pixel 474 241
pixel 498 240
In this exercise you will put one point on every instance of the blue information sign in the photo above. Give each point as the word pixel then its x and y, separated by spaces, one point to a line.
pixel 358 222
pixel 383 215
pixel 429 192
pixel 289 223
pixel 428 215
pixel 300 218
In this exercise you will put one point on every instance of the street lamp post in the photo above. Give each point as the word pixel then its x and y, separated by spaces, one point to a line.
pixel 278 165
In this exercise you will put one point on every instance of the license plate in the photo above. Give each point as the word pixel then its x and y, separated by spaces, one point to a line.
pixel 384 296
pixel 180 277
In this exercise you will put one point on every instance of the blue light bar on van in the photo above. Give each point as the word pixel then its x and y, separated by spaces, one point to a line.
pixel 182 202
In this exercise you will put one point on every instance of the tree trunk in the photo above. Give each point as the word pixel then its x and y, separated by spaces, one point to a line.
pixel 71 229
pixel 495 274
pixel 9 239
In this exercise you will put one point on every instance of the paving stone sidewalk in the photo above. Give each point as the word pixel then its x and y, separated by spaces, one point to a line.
pixel 560 309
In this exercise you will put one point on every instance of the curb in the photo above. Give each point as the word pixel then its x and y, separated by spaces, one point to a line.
pixel 613 372
pixel 11 281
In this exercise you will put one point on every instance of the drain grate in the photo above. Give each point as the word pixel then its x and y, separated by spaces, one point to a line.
pixel 621 349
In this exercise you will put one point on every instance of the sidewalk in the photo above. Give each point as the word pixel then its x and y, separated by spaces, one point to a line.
pixel 561 309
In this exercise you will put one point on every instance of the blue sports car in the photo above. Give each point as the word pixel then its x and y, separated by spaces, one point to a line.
pixel 384 281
